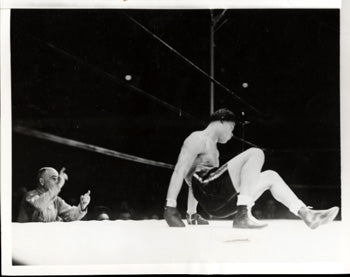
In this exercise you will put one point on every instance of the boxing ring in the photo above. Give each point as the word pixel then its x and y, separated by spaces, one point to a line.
pixel 153 242
pixel 150 246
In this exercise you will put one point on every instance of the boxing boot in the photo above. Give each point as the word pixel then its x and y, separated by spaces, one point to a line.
pixel 315 218
pixel 196 219
pixel 245 220
pixel 173 217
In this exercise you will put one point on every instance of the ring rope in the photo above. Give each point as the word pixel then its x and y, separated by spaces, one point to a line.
pixel 46 136
pixel 89 147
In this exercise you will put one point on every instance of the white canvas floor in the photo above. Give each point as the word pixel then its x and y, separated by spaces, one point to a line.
pixel 153 242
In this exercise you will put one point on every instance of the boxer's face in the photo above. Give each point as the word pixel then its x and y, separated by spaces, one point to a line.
pixel 226 131
pixel 49 178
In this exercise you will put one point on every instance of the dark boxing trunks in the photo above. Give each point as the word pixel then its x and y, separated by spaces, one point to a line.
pixel 215 192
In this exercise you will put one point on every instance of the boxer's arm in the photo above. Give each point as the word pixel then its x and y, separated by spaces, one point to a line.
pixel 189 152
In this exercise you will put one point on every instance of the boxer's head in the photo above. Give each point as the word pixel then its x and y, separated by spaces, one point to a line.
pixel 225 122
pixel 48 177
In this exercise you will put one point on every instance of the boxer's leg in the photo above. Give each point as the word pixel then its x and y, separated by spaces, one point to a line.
pixel 271 180
pixel 245 170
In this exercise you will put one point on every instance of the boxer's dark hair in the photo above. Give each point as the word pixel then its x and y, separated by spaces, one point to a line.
pixel 223 115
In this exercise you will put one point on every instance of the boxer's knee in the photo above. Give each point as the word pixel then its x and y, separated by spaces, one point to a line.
pixel 270 176
pixel 256 153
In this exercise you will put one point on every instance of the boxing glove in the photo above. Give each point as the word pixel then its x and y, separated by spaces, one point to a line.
pixel 173 217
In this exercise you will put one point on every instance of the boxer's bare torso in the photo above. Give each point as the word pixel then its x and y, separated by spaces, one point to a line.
pixel 205 155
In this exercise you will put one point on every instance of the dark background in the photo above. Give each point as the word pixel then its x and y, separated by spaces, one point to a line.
pixel 68 69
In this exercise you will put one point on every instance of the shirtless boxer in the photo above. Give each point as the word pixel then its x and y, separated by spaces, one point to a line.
pixel 233 188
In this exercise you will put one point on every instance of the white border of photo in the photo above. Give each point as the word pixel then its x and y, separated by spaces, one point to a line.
pixel 342 266
pixel 176 4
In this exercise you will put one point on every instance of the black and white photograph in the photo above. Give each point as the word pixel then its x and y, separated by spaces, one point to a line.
pixel 173 140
